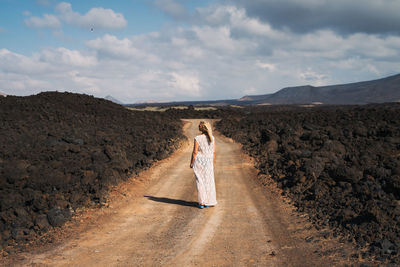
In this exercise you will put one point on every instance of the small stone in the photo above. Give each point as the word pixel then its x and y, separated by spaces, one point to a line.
pixel 42 222
pixel 58 217
pixel 272 253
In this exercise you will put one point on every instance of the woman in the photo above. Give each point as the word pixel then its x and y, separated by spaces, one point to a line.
pixel 203 165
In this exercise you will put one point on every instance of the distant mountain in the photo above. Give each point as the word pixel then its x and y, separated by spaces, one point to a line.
pixel 187 103
pixel 112 99
pixel 375 91
pixel 151 102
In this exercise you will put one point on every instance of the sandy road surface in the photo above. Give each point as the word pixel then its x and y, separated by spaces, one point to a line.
pixel 161 225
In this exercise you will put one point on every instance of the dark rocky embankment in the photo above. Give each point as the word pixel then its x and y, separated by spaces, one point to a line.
pixel 341 165
pixel 61 151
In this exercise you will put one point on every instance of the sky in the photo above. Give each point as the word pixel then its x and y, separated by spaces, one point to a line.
pixel 175 50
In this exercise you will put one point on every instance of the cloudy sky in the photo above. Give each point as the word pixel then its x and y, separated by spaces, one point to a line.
pixel 137 50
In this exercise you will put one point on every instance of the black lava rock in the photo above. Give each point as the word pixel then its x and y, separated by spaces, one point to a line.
pixel 61 151
pixel 340 164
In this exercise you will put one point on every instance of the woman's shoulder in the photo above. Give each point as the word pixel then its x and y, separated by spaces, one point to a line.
pixel 201 137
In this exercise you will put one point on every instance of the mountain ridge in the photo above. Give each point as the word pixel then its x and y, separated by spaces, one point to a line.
pixel 374 91
pixel 365 92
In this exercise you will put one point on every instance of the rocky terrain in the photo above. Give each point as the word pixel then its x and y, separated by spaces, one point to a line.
pixel 341 165
pixel 61 151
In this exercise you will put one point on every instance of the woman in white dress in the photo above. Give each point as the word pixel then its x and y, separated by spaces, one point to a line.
pixel 203 165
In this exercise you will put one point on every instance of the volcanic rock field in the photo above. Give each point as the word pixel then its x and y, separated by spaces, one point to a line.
pixel 61 151
pixel 339 164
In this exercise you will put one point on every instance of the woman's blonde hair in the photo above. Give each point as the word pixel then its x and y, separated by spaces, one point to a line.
pixel 206 128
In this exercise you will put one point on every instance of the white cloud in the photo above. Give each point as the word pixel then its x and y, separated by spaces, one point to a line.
pixel 47 21
pixel 185 84
pixel 111 47
pixel 64 56
pixel 312 76
pixel 266 66
pixel 225 53
pixel 193 52
pixel 250 91
pixel 46 70
pixel 20 84
pixel 97 17
pixel 216 38
pixel 240 23
pixel 375 46
pixel 87 84
pixel 11 62
pixel 172 8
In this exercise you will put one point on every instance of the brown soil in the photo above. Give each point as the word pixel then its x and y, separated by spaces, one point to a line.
pixel 152 220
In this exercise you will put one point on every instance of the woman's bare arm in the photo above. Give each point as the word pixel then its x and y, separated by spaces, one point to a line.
pixel 215 147
pixel 194 153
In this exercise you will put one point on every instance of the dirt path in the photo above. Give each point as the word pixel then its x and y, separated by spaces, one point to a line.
pixel 161 225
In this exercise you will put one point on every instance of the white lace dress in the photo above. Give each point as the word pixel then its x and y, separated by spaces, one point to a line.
pixel 203 168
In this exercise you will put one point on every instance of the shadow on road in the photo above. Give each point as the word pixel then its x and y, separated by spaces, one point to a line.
pixel 173 201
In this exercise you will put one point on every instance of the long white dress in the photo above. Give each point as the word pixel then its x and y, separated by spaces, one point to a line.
pixel 203 168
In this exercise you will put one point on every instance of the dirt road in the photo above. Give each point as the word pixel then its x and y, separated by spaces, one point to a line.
pixel 157 222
